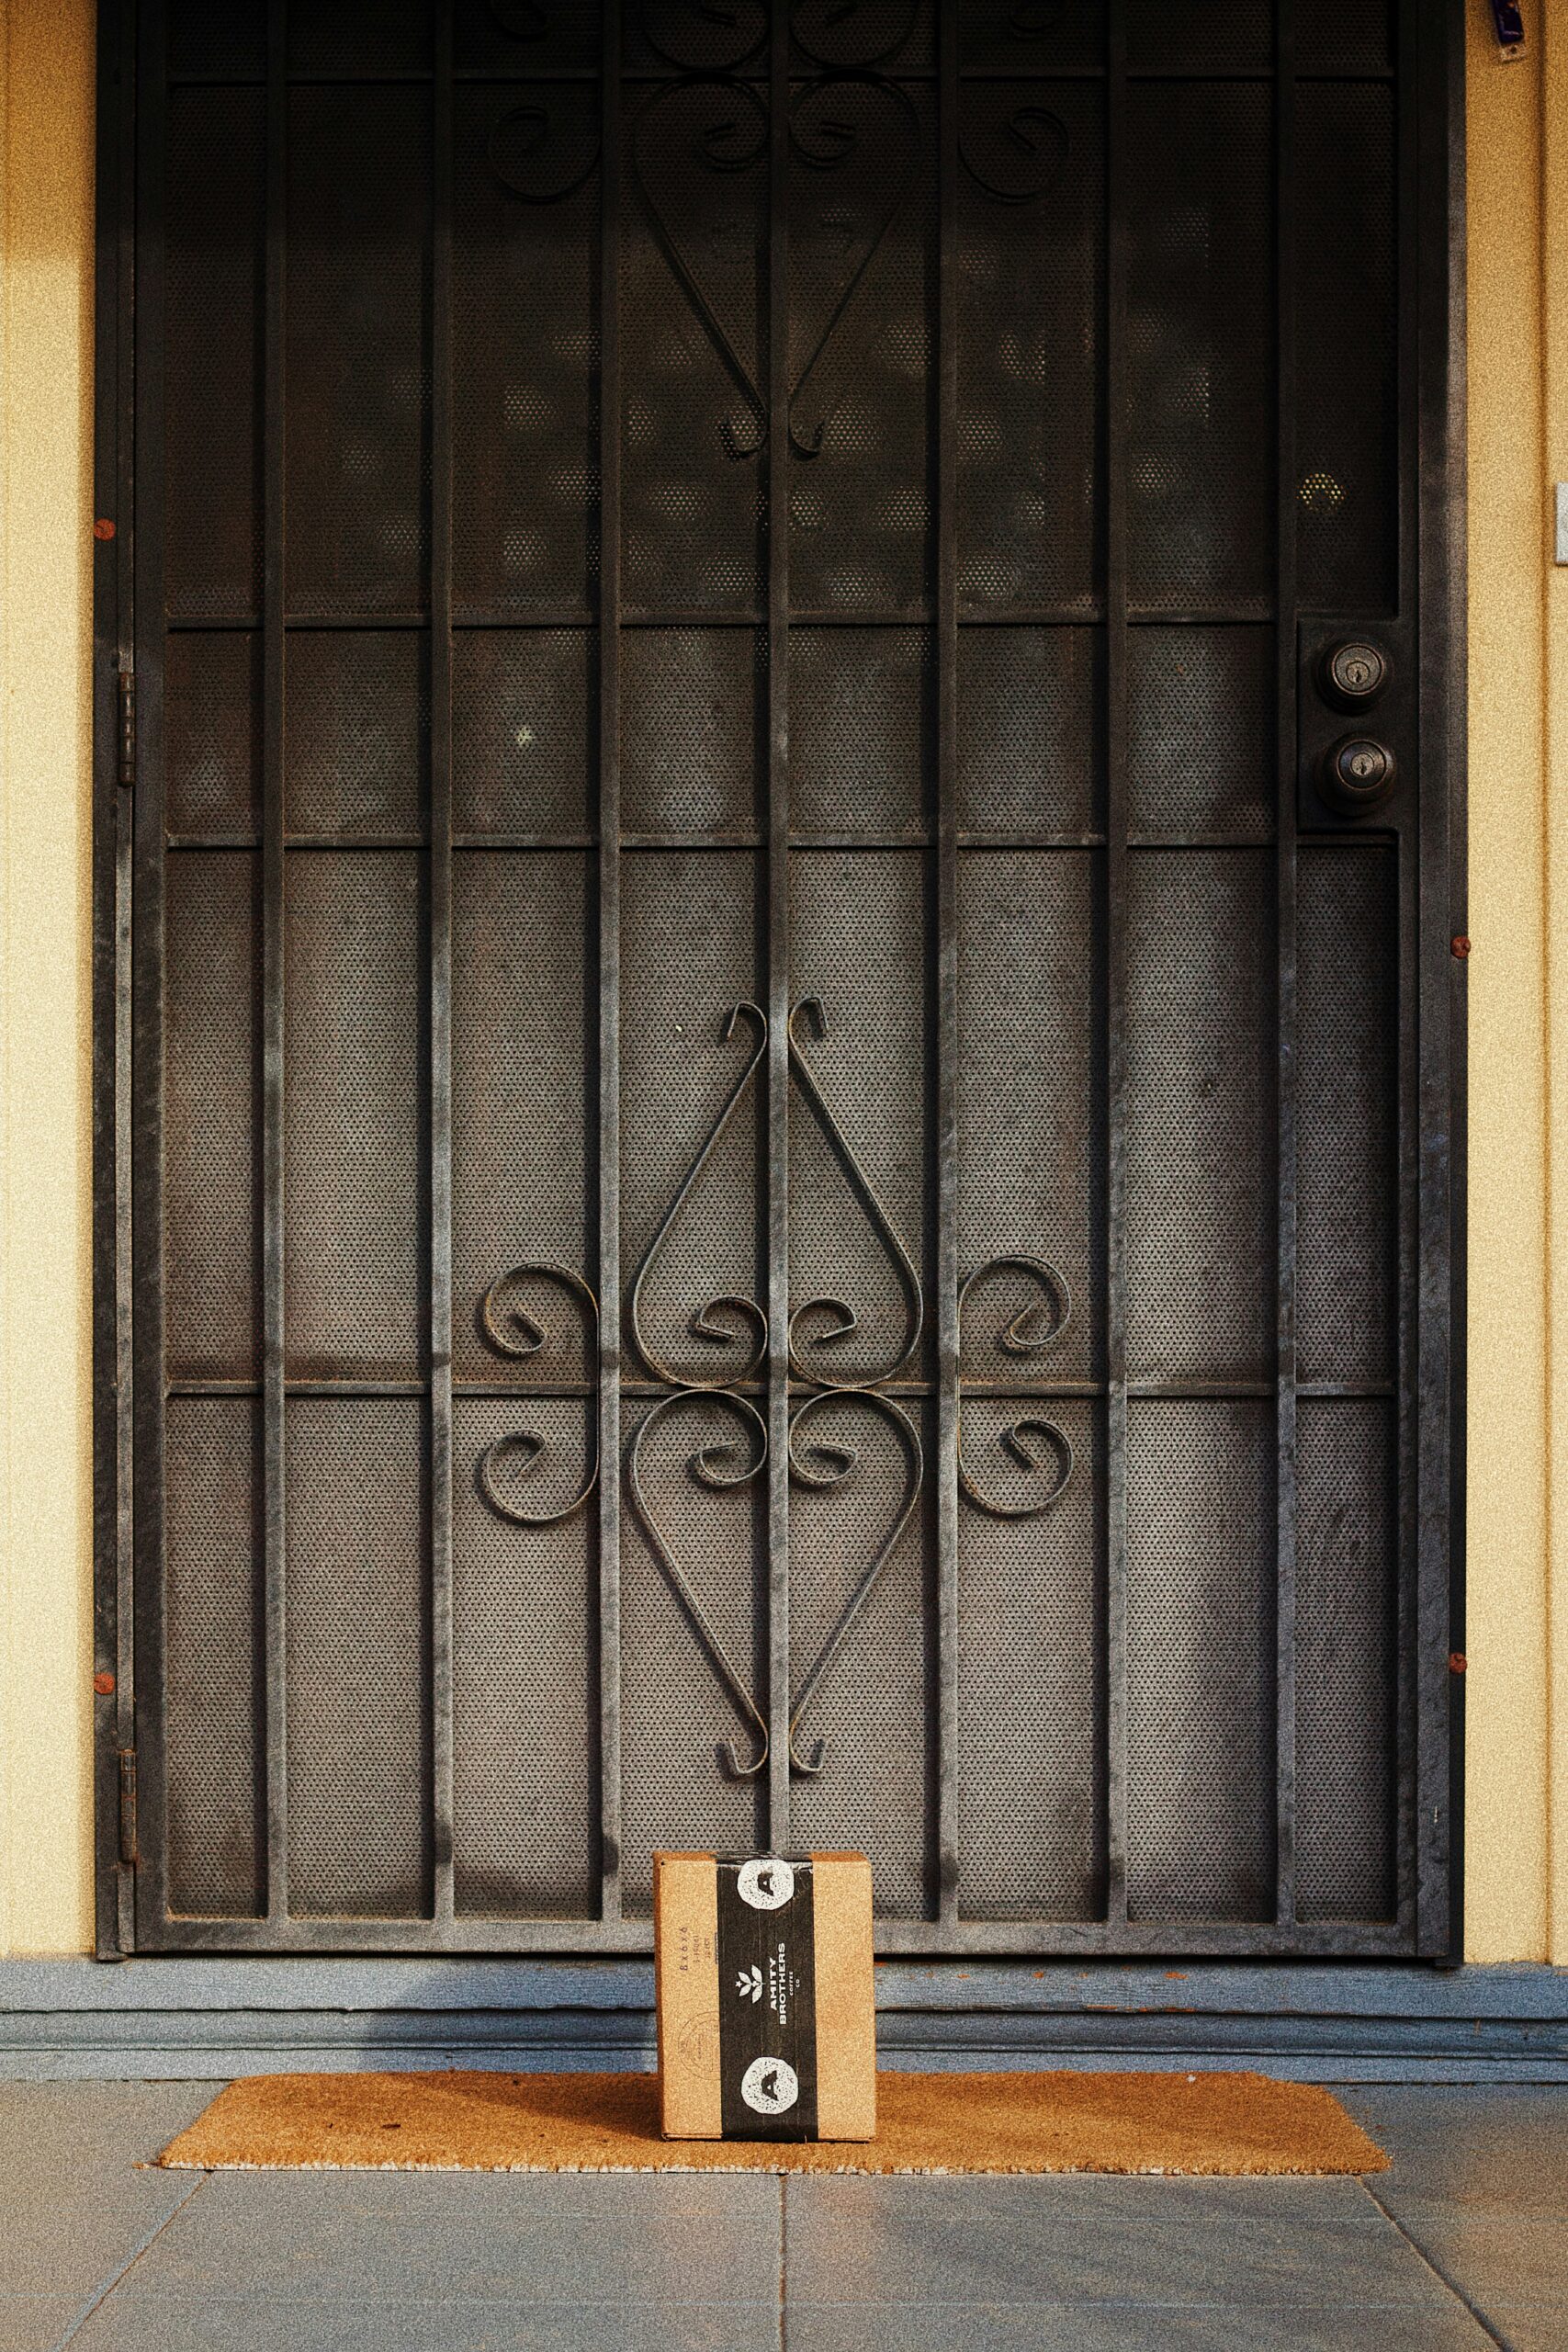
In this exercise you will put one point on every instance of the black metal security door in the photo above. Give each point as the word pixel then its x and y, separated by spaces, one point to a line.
pixel 779 1063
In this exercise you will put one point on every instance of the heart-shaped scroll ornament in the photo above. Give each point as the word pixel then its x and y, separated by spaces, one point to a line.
pixel 1035 1445
pixel 722 1468
pixel 700 152
pixel 729 1323
pixel 544 142
pixel 1012 143
pixel 840 33
pixel 824 1464
pixel 703 36
pixel 701 156
pixel 516 1325
pixel 853 145
pixel 819 1326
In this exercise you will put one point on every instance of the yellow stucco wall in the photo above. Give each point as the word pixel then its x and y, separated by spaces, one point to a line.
pixel 1518 1641
pixel 1515 1839
pixel 46 516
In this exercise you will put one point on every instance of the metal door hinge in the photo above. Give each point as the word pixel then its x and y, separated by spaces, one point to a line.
pixel 127 725
pixel 128 1807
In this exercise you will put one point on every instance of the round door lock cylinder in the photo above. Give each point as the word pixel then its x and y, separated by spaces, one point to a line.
pixel 1355 673
pixel 1358 774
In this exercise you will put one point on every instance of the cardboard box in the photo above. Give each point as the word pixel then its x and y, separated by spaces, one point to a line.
pixel 767 2026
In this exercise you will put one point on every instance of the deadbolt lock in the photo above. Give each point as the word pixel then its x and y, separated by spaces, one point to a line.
pixel 1357 774
pixel 1353 673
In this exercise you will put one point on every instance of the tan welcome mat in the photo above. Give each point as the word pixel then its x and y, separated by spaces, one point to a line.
pixel 927 2123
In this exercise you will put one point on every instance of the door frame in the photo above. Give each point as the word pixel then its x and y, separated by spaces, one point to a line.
pixel 1433 393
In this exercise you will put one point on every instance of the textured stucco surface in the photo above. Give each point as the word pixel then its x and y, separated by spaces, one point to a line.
pixel 1518 1640
pixel 46 305
pixel 1554 623
pixel 1506 1782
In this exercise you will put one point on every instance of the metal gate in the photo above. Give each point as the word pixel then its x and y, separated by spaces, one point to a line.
pixel 778 1042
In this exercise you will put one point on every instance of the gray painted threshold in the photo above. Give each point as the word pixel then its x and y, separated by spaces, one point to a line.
pixel 203 2018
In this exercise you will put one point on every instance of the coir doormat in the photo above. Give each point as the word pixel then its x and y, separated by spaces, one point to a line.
pixel 927 2123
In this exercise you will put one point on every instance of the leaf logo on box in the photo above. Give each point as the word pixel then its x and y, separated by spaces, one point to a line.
pixel 770 2084
pixel 766 1884
pixel 749 1984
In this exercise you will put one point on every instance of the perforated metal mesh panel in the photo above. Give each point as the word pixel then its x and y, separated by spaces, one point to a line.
pixel 1347 418
pixel 211 1160
pixel 1031 1693
pixel 1347 1222
pixel 357 364
pixel 358 722
pixel 1201 338
pixel 860 738
pixel 1201 1661
pixel 524 743
pixel 1200 1193
pixel 1200 739
pixel 212 1611
pixel 1031 243
pixel 1031 732
pixel 690 719
pixel 776 1130
pixel 1347 1602
pixel 525 347
pixel 355 1214
pixel 526 1771
pixel 213 713
pixel 212 350
pixel 358 1662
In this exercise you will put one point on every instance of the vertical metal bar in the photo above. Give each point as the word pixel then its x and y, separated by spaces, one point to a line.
pixel 113 846
pixel 1115 957
pixel 1432 852
pixel 273 688
pixel 1412 59
pixel 143 1728
pixel 778 935
pixel 610 965
pixel 1441 589
pixel 947 1332
pixel 441 1743
pixel 1285 940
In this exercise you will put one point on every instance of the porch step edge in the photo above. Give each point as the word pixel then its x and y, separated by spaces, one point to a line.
pixel 207 2019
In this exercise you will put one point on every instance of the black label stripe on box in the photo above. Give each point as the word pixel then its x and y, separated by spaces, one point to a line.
pixel 767 1999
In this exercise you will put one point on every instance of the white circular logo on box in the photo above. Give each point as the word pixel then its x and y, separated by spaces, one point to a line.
pixel 770 2084
pixel 765 1883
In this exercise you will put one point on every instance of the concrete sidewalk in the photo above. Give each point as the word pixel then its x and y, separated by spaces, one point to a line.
pixel 1463 2244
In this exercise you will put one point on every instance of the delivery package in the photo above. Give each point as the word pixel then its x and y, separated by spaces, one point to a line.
pixel 767 2026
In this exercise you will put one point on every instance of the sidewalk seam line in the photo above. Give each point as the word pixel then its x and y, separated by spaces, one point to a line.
pixel 1434 2266
pixel 80 2322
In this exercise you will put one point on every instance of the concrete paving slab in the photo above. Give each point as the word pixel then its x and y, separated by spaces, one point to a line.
pixel 36 2322
pixel 1147 2327
pixel 137 2319
pixel 73 2207
pixel 1080 2240
pixel 1492 2255
pixel 507 2237
pixel 1477 2146
pixel 1530 2327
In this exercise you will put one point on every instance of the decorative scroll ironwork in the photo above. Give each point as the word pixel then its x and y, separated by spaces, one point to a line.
pixel 854 130
pixel 738 1324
